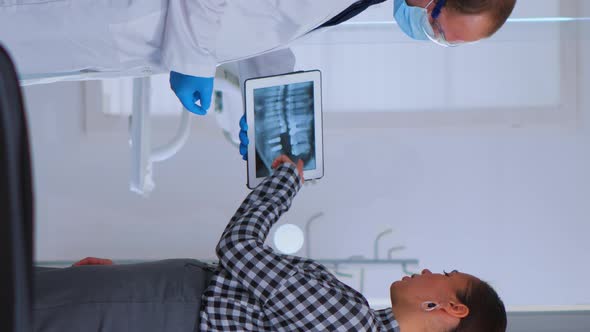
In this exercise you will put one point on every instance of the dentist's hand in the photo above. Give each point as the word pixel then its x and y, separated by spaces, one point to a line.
pixel 190 89
pixel 244 138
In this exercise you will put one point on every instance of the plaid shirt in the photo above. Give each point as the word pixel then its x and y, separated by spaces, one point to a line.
pixel 257 289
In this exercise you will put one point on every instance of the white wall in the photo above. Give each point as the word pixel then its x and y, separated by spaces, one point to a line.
pixel 506 204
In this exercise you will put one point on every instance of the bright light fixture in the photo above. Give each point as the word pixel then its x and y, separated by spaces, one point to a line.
pixel 288 239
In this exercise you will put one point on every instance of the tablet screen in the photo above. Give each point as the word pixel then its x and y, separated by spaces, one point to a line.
pixel 284 116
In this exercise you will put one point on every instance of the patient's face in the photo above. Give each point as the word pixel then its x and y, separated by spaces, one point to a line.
pixel 429 286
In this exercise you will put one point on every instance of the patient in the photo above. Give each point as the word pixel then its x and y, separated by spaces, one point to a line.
pixel 253 288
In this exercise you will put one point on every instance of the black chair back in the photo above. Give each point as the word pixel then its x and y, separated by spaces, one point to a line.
pixel 16 205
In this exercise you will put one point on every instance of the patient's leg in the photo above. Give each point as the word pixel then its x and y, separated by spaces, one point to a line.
pixel 155 296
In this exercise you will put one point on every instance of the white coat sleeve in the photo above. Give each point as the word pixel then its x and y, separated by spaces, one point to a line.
pixel 190 36
pixel 273 63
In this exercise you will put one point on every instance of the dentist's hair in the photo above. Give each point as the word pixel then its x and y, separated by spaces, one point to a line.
pixel 499 10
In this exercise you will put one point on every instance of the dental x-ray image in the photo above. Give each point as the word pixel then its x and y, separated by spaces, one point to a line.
pixel 284 118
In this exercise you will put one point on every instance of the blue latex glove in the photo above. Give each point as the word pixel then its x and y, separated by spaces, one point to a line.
pixel 190 89
pixel 244 137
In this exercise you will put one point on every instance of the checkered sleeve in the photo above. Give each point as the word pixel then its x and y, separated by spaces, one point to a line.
pixel 241 250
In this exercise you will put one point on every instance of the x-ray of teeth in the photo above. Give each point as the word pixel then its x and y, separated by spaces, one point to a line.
pixel 284 118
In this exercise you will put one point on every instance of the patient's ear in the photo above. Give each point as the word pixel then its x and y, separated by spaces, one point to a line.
pixel 456 309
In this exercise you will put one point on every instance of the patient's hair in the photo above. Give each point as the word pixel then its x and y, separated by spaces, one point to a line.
pixel 486 310
pixel 499 10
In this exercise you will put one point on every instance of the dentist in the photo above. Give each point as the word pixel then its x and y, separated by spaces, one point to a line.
pixel 56 40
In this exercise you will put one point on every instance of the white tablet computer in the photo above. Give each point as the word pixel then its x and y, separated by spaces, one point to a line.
pixel 284 115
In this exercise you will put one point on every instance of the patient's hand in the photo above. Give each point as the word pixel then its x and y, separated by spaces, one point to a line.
pixel 93 261
pixel 283 159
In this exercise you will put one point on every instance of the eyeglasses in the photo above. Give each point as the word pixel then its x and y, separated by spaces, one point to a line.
pixel 434 30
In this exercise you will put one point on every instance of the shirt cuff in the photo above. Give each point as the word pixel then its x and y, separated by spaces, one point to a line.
pixel 290 174
pixel 194 70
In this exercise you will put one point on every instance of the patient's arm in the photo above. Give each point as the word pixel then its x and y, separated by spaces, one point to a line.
pixel 241 249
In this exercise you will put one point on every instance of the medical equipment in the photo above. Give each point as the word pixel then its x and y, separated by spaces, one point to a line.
pixel 142 155
pixel 284 113
pixel 141 98
pixel 358 260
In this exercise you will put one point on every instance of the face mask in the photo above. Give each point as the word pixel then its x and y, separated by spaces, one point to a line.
pixel 410 19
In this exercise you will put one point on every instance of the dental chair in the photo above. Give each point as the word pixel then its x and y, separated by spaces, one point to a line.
pixel 16 206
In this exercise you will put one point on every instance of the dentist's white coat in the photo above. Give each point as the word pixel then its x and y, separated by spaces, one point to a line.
pixel 85 39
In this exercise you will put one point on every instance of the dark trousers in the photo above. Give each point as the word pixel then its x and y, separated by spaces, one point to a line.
pixel 155 296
